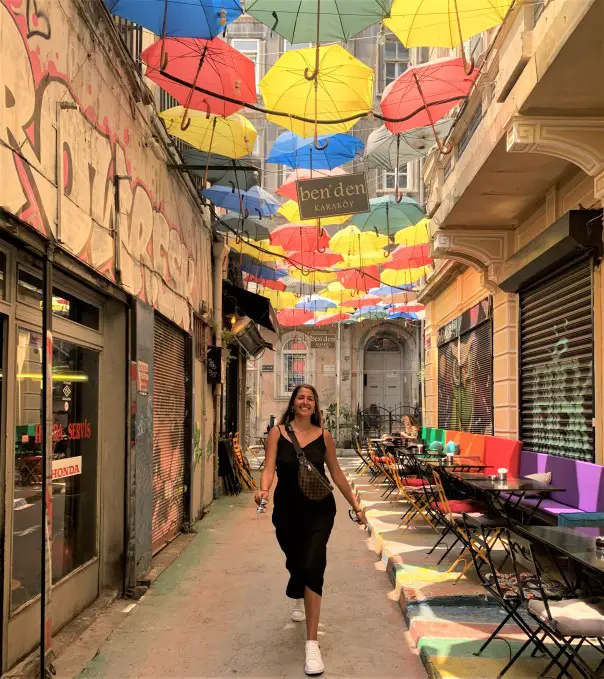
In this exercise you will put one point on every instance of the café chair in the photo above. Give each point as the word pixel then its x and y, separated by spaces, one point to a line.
pixel 414 490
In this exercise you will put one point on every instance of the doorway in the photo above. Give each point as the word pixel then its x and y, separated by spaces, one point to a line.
pixel 386 382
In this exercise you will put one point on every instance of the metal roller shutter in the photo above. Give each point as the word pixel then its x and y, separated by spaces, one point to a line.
pixel 556 343
pixel 447 378
pixel 168 433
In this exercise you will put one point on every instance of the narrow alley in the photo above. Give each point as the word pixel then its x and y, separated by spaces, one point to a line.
pixel 220 610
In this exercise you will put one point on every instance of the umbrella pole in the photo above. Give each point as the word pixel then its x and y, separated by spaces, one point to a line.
pixel 315 77
pixel 468 65
pixel 185 116
pixel 163 58
pixel 205 174
pixel 445 149
pixel 396 194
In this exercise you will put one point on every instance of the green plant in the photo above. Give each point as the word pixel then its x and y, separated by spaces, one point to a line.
pixel 210 447
pixel 197 448
pixel 228 342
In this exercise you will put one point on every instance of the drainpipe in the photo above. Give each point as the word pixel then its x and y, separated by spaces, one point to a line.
pixel 338 381
pixel 422 186
pixel 219 254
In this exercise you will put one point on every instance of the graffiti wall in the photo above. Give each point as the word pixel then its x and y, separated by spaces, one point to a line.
pixel 61 64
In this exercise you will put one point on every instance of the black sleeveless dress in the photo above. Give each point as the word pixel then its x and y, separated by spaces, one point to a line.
pixel 303 526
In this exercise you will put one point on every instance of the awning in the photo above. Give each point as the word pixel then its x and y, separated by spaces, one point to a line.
pixel 244 303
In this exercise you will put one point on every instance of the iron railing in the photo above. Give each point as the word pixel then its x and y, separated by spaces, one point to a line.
pixel 377 420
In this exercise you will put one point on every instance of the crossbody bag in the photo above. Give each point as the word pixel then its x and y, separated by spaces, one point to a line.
pixel 312 483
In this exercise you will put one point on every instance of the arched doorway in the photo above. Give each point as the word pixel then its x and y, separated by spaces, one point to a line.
pixel 386 374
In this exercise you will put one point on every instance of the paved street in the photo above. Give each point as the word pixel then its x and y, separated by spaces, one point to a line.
pixel 220 610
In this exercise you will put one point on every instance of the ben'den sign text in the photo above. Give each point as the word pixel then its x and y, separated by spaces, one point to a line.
pixel 333 196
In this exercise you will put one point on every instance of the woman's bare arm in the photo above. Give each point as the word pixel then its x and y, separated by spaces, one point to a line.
pixel 270 461
pixel 337 474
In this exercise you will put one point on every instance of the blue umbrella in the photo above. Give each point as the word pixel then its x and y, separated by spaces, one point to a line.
pixel 385 290
pixel 255 202
pixel 260 271
pixel 299 153
pixel 409 315
pixel 316 303
pixel 182 18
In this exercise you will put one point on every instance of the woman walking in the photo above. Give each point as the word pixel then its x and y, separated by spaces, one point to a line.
pixel 303 525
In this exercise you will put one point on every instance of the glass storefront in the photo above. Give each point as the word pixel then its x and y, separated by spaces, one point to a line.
pixel 75 404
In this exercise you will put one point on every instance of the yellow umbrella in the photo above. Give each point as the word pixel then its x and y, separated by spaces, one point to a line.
pixel 350 241
pixel 291 211
pixel 414 235
pixel 368 258
pixel 280 299
pixel 274 252
pixel 233 137
pixel 340 87
pixel 442 23
pixel 399 277
pixel 313 277
pixel 338 293
pixel 331 312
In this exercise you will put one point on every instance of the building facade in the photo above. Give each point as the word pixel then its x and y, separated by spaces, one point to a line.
pixel 514 307
pixel 86 193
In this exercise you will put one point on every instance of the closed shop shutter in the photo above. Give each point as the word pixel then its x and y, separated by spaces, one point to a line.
pixel 556 344
pixel 168 433
pixel 465 372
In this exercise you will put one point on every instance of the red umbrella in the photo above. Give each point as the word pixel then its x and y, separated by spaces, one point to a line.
pixel 299 238
pixel 410 257
pixel 289 317
pixel 336 318
pixel 211 64
pixel 426 93
pixel 265 283
pixel 289 189
pixel 315 260
pixel 366 300
pixel 363 279
pixel 407 308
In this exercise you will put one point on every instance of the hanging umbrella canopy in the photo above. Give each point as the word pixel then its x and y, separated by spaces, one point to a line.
pixel 403 276
pixel 291 317
pixel 344 88
pixel 181 18
pixel 365 301
pixel 381 149
pixel 256 201
pixel 374 314
pixel 263 251
pixel 233 137
pixel 224 171
pixel 299 288
pixel 297 152
pixel 361 280
pixel 413 235
pixel 368 258
pixel 211 64
pixel 442 23
pixel 332 318
pixel 296 21
pixel 316 303
pixel 312 277
pixel 410 256
pixel 279 300
pixel 253 267
pixel 405 316
pixel 351 241
pixel 426 93
pixel 289 189
pixel 407 308
pixel 340 294
pixel 314 259
pixel 291 211
pixel 298 237
pixel 250 228
pixel 262 283
pixel 386 216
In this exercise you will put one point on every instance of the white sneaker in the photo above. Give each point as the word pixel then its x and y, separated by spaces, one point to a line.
pixel 314 662
pixel 298 614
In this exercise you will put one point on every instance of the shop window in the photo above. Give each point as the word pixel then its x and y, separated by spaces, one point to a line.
pixel 64 304
pixel 251 49
pixel 75 403
pixel 396 60
pixel 287 46
pixel 389 179
pixel 295 364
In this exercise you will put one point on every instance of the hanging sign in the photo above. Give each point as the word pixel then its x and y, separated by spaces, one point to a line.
pixel 214 365
pixel 322 341
pixel 69 466
pixel 333 196
pixel 268 368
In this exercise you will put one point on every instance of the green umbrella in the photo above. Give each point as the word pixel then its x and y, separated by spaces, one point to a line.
pixel 223 171
pixel 387 216
pixel 385 150
pixel 339 20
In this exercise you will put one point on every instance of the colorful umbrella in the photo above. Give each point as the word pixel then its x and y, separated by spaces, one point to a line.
pixel 252 267
pixel 297 237
pixel 297 20
pixel 386 216
pixel 233 137
pixel 289 188
pixel 280 300
pixel 332 318
pixel 367 258
pixel 261 283
pixel 370 314
pixel 393 293
pixel 339 293
pixel 256 201
pixel 351 241
pixel 442 23
pixel 316 303
pixel 179 18
pixel 259 250
pixel 364 301
pixel 426 93
pixel 360 279
pixel 250 228
pixel 314 259
pixel 413 235
pixel 291 211
pixel 211 64
pixel 211 167
pixel 409 256
pixel 296 152
pixel 312 277
pixel 403 276
pixel 401 315
pixel 408 308
pixel 291 317
pixel 324 86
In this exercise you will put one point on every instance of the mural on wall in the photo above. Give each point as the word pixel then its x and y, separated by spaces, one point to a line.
pixel 68 76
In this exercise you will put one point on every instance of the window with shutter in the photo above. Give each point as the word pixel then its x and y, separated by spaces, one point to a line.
pixel 556 345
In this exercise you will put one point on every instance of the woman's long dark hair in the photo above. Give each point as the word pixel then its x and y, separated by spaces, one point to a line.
pixel 315 418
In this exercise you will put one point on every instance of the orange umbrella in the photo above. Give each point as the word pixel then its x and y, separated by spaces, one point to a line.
pixel 410 257
pixel 290 317
pixel 364 278
pixel 298 237
pixel 314 259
